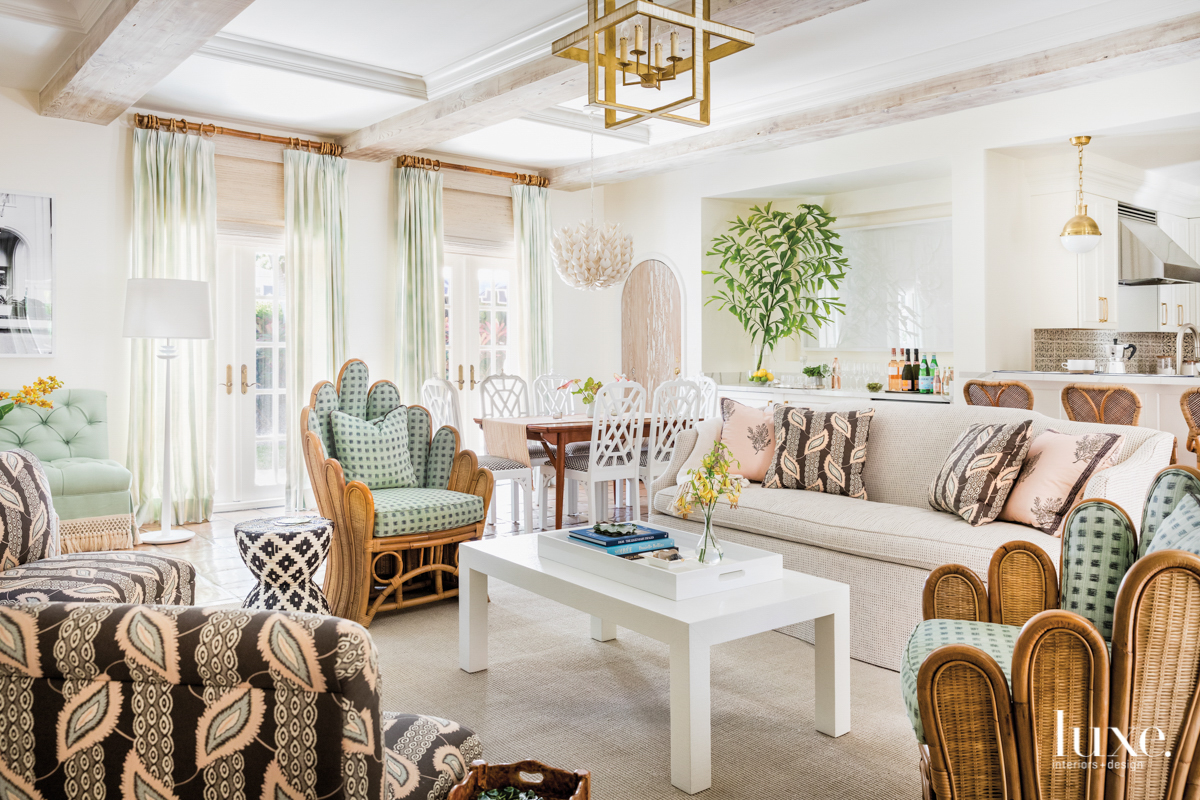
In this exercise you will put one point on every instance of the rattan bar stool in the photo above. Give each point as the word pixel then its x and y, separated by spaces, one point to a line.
pixel 1189 404
pixel 1096 402
pixel 1001 394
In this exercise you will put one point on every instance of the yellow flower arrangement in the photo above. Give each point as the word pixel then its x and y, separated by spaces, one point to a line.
pixel 704 487
pixel 35 394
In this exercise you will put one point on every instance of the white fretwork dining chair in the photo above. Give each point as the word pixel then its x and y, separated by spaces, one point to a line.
pixel 710 404
pixel 508 396
pixel 616 448
pixel 550 398
pixel 440 399
pixel 676 408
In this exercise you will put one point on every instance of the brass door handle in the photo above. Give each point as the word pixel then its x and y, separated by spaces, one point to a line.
pixel 460 380
pixel 473 381
pixel 245 385
pixel 228 384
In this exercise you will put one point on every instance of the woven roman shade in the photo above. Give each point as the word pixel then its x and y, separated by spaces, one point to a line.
pixel 249 190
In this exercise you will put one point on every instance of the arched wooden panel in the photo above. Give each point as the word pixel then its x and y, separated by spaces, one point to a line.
pixel 651 325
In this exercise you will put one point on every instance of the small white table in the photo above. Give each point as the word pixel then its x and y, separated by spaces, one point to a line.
pixel 689 627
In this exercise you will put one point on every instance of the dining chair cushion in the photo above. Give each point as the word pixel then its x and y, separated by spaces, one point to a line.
pixel 708 433
pixel 375 451
pixel 980 470
pixel 749 433
pixel 992 638
pixel 820 451
pixel 405 511
pixel 1054 475
pixel 1181 530
pixel 500 463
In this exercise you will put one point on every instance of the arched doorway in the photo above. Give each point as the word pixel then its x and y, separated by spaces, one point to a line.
pixel 651 325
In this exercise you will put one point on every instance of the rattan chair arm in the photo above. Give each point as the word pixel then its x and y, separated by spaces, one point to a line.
pixel 470 478
pixel 1022 582
pixel 953 591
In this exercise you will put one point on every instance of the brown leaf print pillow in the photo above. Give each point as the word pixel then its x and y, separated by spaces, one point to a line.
pixel 1055 474
pixel 980 471
pixel 820 451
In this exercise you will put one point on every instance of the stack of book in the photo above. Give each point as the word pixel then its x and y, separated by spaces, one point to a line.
pixel 640 540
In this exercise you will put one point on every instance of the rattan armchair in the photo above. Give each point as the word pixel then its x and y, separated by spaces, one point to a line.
pixel 391 540
pixel 1001 394
pixel 1024 649
pixel 1098 402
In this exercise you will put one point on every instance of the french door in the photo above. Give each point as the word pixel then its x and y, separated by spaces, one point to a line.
pixel 252 393
pixel 481 329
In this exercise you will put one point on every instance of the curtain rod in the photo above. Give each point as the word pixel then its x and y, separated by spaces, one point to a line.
pixel 435 165
pixel 151 122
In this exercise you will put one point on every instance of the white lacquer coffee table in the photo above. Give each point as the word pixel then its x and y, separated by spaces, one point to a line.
pixel 689 627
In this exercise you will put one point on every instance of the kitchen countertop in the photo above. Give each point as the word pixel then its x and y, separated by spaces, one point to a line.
pixel 891 397
pixel 1097 377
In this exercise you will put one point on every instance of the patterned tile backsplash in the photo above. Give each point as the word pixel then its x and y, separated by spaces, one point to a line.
pixel 1053 346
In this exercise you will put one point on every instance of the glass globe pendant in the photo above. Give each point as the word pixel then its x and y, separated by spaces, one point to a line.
pixel 1081 234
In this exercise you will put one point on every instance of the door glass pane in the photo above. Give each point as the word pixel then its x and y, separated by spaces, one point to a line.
pixel 500 328
pixel 264 275
pixel 281 462
pixel 485 329
pixel 500 276
pixel 262 417
pixel 500 354
pixel 263 363
pixel 485 287
pixel 262 458
pixel 282 326
pixel 282 359
pixel 282 419
pixel 262 320
pixel 485 364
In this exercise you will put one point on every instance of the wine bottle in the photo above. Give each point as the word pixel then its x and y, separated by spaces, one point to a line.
pixel 937 377
pixel 906 375
pixel 916 386
pixel 926 380
pixel 836 379
pixel 893 373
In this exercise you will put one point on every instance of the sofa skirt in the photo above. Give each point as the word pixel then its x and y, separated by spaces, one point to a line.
pixel 93 534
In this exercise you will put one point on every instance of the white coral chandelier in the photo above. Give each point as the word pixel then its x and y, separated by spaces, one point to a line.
pixel 592 257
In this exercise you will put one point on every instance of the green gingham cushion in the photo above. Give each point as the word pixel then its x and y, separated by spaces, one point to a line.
pixel 1168 489
pixel 1181 530
pixel 420 431
pixel 441 460
pixel 324 403
pixel 403 511
pixel 375 452
pixel 996 640
pixel 352 389
pixel 1098 548
pixel 382 399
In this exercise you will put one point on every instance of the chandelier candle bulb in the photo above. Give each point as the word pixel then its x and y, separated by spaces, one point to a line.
pixel 624 50
pixel 674 44
pixel 658 55
pixel 637 39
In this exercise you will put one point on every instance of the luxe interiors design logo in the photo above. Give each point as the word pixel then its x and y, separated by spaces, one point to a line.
pixel 1129 752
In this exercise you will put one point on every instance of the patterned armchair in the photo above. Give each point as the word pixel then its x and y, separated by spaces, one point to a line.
pixel 32 571
pixel 999 678
pixel 144 701
pixel 387 540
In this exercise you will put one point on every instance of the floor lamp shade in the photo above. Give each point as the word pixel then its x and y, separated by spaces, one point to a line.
pixel 165 308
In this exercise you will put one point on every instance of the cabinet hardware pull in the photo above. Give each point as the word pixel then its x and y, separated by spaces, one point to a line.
pixel 1178 315
pixel 245 384
pixel 1164 305
pixel 228 384
pixel 460 380
pixel 1104 313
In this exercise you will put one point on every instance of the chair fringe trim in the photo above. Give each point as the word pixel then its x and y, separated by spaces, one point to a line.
pixel 93 534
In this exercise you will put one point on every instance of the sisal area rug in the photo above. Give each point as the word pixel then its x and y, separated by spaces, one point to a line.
pixel 553 694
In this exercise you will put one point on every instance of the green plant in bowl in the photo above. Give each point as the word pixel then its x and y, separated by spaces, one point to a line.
pixel 874 387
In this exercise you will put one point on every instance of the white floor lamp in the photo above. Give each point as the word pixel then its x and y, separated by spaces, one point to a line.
pixel 164 308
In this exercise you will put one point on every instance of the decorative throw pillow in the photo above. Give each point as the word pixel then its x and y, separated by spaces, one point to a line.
pixel 1180 530
pixel 708 433
pixel 375 451
pixel 980 471
pixel 749 433
pixel 820 451
pixel 1055 473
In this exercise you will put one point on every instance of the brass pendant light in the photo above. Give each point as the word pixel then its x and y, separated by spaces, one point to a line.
pixel 1081 234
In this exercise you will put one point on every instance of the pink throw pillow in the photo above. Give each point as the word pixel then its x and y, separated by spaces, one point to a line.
pixel 749 433
pixel 1055 473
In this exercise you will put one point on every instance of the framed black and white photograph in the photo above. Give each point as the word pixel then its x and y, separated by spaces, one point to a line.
pixel 26 275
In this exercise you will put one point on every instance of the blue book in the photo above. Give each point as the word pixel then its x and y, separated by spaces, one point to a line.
pixel 630 549
pixel 604 540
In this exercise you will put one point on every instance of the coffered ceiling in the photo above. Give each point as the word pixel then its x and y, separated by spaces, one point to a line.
pixel 384 75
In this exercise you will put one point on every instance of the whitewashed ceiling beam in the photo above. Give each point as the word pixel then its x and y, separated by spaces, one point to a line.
pixel 1153 46
pixel 541 84
pixel 132 46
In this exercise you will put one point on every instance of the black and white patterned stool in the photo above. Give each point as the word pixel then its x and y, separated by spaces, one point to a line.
pixel 284 553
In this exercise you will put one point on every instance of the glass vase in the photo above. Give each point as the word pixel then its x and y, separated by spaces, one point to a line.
pixel 709 550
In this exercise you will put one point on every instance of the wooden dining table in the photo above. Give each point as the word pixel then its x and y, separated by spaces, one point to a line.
pixel 555 435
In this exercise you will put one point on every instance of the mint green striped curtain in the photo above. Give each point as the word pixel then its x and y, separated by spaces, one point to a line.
pixel 315 213
pixel 532 231
pixel 174 236
pixel 420 298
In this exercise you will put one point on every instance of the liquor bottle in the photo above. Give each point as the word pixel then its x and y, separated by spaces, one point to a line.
pixel 836 381
pixel 948 384
pixel 916 385
pixel 906 375
pixel 937 378
pixel 893 373
pixel 926 381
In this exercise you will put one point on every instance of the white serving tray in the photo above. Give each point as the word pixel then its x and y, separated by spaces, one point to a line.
pixel 741 566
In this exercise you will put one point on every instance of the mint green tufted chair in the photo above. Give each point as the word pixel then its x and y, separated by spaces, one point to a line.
pixel 90 491
pixel 390 544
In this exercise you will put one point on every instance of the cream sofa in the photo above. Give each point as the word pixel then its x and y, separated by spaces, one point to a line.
pixel 885 547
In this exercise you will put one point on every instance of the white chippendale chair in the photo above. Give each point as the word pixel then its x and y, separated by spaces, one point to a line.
pixel 616 447
pixel 676 408
pixel 508 396
pixel 710 404
pixel 440 399
pixel 549 398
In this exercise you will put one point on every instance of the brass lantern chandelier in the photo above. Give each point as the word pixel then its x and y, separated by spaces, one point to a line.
pixel 624 47
pixel 1081 234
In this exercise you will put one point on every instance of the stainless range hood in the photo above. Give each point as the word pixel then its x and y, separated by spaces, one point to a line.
pixel 1149 257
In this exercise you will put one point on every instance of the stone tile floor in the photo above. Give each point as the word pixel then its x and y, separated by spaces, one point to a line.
pixel 223 579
